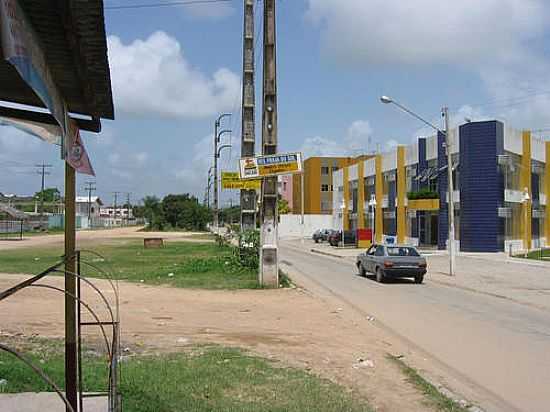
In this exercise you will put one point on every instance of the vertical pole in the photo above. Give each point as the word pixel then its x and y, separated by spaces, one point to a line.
pixel 302 191
pixel 42 193
pixel 71 367
pixel 269 268
pixel 450 187
pixel 216 216
pixel 248 137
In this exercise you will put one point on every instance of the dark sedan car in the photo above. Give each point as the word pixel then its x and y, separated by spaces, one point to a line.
pixel 350 238
pixel 321 235
pixel 389 261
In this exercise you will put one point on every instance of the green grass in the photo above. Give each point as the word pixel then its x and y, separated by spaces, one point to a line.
pixel 201 379
pixel 434 398
pixel 192 265
pixel 537 255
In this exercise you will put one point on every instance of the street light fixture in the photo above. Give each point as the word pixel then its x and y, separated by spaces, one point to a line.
pixel 217 137
pixel 451 233
pixel 342 208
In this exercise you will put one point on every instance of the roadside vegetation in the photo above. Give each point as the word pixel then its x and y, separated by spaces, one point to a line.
pixel 199 379
pixel 541 254
pixel 179 264
pixel 434 398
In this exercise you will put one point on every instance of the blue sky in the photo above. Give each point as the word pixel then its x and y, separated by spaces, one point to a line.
pixel 175 68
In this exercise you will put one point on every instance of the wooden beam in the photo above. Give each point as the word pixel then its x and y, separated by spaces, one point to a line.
pixel 93 125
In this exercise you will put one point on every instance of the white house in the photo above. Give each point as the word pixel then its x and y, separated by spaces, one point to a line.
pixel 85 205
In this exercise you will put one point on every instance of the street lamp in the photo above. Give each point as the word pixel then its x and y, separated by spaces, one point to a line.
pixel 525 200
pixel 451 233
pixel 342 208
pixel 372 205
pixel 216 141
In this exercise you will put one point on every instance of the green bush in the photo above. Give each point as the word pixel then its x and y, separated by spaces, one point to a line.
pixel 249 249
pixel 423 194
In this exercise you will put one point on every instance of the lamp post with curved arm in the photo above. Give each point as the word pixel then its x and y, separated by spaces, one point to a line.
pixel 445 112
pixel 217 136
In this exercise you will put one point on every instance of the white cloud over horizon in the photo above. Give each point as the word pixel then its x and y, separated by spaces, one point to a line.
pixel 152 77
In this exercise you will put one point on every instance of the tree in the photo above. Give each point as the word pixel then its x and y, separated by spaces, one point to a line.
pixel 185 212
pixel 283 206
pixel 51 194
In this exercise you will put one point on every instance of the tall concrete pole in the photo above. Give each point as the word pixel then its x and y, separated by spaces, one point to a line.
pixel 248 138
pixel 269 268
pixel 450 186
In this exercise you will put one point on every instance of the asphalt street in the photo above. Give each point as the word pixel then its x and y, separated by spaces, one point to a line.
pixel 499 346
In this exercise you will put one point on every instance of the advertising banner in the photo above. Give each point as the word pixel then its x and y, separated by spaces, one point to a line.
pixel 22 49
pixel 76 154
pixel 272 165
pixel 48 132
pixel 232 181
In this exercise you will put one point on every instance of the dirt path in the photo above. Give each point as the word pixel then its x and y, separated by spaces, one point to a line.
pixel 290 325
pixel 92 236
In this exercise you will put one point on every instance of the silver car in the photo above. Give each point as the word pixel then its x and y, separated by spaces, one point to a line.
pixel 392 261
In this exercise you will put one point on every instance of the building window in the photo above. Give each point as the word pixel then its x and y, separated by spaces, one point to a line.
pixel 334 169
pixel 324 170
pixel 324 188
pixel 284 186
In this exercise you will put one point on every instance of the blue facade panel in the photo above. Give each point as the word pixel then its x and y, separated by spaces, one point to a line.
pixel 481 190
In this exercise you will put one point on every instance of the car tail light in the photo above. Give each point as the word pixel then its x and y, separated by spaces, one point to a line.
pixel 422 265
pixel 388 264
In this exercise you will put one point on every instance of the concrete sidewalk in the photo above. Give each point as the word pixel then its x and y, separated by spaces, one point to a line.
pixel 522 281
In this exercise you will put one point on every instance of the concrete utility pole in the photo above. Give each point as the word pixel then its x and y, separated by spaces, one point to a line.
pixel 90 188
pixel 217 136
pixel 43 172
pixel 248 138
pixel 128 207
pixel 269 267
pixel 450 186
pixel 115 194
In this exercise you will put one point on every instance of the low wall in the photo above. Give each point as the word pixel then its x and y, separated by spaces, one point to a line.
pixel 291 225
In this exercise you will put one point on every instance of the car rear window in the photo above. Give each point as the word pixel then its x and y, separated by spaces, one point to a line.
pixel 402 251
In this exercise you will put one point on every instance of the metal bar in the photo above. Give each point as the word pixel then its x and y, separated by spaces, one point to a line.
pixel 71 361
pixel 7 293
pixel 104 323
pixel 93 125
pixel 40 373
pixel 79 315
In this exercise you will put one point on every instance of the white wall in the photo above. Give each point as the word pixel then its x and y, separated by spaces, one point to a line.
pixel 389 160
pixel 411 154
pixel 431 147
pixel 513 141
pixel 538 150
pixel 370 167
pixel 291 226
pixel 353 173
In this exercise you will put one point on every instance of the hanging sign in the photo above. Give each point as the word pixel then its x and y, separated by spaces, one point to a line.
pixel 76 154
pixel 22 49
pixel 232 181
pixel 272 165
pixel 48 132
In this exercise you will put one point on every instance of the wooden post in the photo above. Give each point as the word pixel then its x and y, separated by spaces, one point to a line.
pixel 71 367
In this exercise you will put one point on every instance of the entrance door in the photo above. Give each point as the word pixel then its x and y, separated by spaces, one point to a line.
pixel 434 229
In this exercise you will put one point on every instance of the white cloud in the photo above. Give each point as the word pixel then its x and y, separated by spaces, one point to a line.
pixel 16 142
pixel 195 175
pixel 209 11
pixel 358 140
pixel 465 32
pixel 153 77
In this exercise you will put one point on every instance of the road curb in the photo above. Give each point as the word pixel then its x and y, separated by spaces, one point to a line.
pixel 494 295
pixel 321 252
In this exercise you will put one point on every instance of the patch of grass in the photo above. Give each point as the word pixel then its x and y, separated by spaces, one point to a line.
pixel 202 379
pixel 180 264
pixel 543 254
pixel 433 396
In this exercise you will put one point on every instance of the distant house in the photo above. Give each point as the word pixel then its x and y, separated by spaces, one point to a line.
pixel 85 205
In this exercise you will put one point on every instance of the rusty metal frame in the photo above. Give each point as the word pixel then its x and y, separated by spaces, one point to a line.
pixel 113 347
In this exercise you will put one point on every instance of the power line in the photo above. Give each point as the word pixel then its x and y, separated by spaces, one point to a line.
pixel 166 4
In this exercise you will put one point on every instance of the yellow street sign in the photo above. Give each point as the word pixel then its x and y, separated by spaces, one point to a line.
pixel 272 165
pixel 232 181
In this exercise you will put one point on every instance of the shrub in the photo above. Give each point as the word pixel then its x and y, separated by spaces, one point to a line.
pixel 423 194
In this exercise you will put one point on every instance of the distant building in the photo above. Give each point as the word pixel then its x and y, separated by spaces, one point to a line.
pixel 285 189
pixel 318 193
pixel 85 204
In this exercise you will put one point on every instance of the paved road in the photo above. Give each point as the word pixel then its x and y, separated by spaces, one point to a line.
pixel 501 347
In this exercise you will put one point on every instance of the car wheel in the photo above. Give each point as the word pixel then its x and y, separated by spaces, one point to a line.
pixel 316 240
pixel 419 279
pixel 362 270
pixel 379 275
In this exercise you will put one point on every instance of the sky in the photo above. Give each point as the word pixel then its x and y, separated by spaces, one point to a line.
pixel 175 69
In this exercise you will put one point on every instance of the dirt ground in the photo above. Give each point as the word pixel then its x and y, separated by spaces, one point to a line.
pixel 91 236
pixel 289 325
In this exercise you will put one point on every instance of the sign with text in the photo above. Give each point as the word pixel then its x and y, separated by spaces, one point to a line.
pixel 232 181
pixel 272 165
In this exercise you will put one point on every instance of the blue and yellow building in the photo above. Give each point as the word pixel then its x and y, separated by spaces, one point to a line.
pixel 501 179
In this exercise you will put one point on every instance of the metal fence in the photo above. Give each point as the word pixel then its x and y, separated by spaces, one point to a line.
pixel 11 229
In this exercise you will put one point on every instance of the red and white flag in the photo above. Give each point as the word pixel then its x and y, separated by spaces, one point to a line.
pixel 76 154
